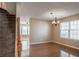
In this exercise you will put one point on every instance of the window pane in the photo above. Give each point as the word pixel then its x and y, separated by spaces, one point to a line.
pixel 77 36
pixel 73 34
pixel 24 45
pixel 28 29
pixel 77 25
pixel 24 30
pixel 64 26
pixel 73 25
pixel 64 34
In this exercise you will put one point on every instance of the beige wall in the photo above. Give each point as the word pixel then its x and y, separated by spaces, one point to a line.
pixel 40 31
pixel 56 33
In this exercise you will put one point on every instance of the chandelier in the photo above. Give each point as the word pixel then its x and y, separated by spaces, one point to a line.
pixel 55 21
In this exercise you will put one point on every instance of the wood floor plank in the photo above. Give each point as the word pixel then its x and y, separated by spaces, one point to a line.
pixel 52 50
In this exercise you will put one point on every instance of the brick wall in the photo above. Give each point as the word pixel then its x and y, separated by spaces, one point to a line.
pixel 7 34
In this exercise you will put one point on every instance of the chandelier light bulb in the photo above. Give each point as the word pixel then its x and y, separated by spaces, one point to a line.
pixel 53 22
pixel 58 22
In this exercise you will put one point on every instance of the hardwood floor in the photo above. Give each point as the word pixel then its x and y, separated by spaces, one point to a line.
pixel 52 50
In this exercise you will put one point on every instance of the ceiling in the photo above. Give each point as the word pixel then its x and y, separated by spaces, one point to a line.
pixel 41 10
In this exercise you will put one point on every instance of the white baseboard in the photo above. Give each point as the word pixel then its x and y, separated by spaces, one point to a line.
pixel 40 42
pixel 66 45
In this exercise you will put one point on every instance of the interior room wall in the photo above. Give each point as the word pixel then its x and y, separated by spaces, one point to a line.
pixel 56 33
pixel 40 31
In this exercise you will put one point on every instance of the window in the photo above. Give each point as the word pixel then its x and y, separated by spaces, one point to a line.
pixel 70 30
pixel 64 27
pixel 25 32
pixel 24 29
